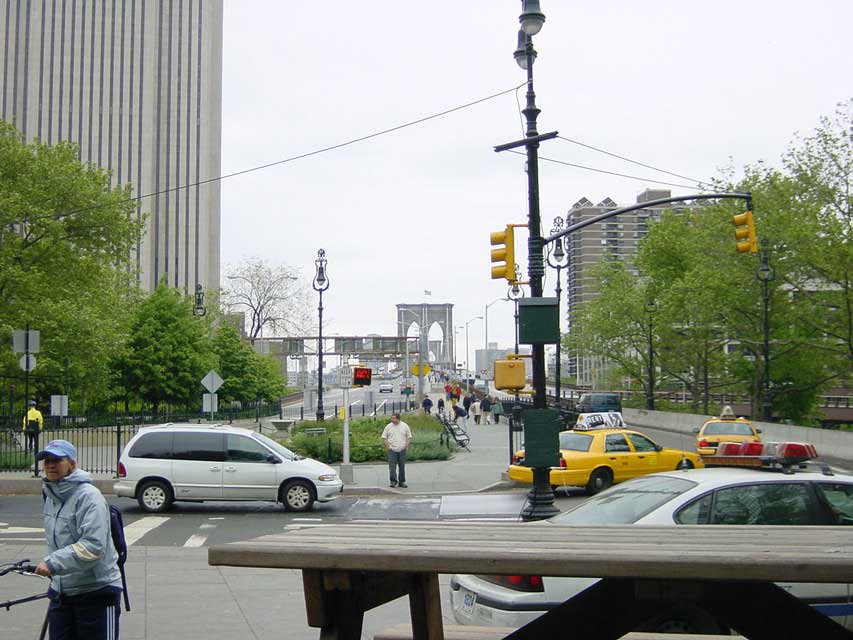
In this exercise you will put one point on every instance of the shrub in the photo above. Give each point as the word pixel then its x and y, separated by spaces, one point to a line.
pixel 366 439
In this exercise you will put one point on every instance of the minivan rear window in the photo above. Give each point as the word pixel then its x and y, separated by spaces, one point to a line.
pixel 152 445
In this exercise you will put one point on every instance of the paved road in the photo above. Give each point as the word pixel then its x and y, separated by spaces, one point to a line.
pixel 209 523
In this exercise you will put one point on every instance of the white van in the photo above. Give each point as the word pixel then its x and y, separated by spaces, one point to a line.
pixel 194 463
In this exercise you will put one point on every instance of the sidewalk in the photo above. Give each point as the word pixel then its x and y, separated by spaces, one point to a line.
pixel 175 594
pixel 476 470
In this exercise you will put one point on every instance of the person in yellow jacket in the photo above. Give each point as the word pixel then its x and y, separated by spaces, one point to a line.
pixel 33 424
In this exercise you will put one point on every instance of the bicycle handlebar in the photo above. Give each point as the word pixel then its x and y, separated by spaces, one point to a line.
pixel 21 566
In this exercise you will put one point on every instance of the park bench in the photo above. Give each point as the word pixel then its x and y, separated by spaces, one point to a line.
pixel 403 631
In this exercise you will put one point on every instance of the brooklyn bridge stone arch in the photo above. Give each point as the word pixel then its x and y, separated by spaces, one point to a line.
pixel 424 316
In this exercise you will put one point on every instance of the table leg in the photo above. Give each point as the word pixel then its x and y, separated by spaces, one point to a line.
pixel 425 607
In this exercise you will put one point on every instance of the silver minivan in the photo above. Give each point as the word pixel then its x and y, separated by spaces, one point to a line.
pixel 194 463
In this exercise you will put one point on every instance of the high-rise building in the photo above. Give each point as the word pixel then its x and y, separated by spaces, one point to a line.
pixel 137 85
pixel 616 238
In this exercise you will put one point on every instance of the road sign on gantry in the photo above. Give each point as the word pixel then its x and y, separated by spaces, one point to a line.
pixel 416 369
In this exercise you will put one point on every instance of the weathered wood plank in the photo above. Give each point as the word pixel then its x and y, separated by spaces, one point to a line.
pixel 425 607
pixel 801 554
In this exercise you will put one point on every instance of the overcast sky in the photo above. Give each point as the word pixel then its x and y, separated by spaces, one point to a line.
pixel 690 87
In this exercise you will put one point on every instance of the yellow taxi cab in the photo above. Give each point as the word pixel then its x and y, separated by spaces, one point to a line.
pixel 598 453
pixel 726 428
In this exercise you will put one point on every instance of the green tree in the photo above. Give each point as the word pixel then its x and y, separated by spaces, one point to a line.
pixel 167 353
pixel 66 238
pixel 247 375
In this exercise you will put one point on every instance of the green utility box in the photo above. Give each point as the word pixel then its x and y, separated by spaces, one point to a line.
pixel 538 320
pixel 541 438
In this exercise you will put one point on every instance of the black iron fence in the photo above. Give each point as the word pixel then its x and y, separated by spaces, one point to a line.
pixel 100 437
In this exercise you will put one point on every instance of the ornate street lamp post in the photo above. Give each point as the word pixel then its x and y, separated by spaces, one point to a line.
pixel 540 502
pixel 766 276
pixel 199 308
pixel 320 284
pixel 558 259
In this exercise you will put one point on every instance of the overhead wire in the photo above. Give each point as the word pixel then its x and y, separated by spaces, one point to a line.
pixel 300 156
pixel 642 164
pixel 612 173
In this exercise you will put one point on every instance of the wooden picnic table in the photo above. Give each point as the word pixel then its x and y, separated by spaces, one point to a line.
pixel 727 570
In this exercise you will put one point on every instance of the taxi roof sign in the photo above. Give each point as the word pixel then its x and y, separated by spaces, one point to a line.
pixel 599 420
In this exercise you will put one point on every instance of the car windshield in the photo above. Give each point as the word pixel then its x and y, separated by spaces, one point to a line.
pixel 732 428
pixel 281 450
pixel 626 503
pixel 575 441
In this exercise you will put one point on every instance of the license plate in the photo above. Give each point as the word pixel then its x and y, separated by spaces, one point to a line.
pixel 468 601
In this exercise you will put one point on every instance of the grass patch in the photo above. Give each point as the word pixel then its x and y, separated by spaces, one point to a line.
pixel 366 439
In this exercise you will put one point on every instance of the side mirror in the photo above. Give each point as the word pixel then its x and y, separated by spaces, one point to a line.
pixel 758 431
pixel 273 459
pixel 658 447
pixel 695 429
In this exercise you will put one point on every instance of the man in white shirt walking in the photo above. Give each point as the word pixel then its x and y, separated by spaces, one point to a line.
pixel 397 437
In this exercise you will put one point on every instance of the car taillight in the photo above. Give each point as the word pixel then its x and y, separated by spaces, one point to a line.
pixel 563 464
pixel 122 472
pixel 517 458
pixel 704 444
pixel 529 584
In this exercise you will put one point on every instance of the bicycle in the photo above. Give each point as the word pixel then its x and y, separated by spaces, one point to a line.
pixel 22 567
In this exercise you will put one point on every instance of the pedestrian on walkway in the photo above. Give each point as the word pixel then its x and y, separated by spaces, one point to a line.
pixel 33 425
pixel 497 410
pixel 439 406
pixel 486 408
pixel 466 402
pixel 475 409
pixel 427 405
pixel 82 563
pixel 397 437
pixel 448 390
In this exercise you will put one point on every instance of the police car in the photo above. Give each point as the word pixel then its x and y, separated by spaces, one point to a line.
pixel 749 483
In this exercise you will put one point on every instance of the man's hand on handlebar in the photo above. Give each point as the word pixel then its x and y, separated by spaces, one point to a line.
pixel 43 570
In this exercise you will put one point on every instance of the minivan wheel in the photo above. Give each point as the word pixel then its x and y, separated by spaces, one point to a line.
pixel 298 495
pixel 155 496
pixel 599 480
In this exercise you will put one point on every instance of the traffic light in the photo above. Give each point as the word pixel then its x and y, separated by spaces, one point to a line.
pixel 745 232
pixel 361 376
pixel 510 375
pixel 504 256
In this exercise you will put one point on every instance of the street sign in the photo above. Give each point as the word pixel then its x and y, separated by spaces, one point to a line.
pixel 212 381
pixel 59 406
pixel 210 403
pixel 28 363
pixel 416 369
pixel 19 341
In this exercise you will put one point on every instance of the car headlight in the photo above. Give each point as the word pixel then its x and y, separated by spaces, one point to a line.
pixel 327 477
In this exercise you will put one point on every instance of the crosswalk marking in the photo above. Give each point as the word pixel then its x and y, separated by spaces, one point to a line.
pixel 135 530
pixel 195 540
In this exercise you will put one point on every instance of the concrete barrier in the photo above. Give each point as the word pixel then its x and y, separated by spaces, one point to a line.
pixel 830 443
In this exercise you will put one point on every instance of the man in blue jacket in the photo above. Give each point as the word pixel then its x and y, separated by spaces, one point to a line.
pixel 85 583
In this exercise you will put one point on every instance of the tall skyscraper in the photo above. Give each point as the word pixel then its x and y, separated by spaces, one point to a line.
pixel 137 84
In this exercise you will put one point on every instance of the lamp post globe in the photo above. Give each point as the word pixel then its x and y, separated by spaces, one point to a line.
pixel 320 284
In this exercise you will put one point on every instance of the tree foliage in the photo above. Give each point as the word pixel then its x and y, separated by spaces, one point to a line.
pixel 247 375
pixel 268 297
pixel 66 238
pixel 708 297
pixel 167 352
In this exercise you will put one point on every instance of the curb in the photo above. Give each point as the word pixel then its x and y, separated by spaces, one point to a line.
pixel 32 487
